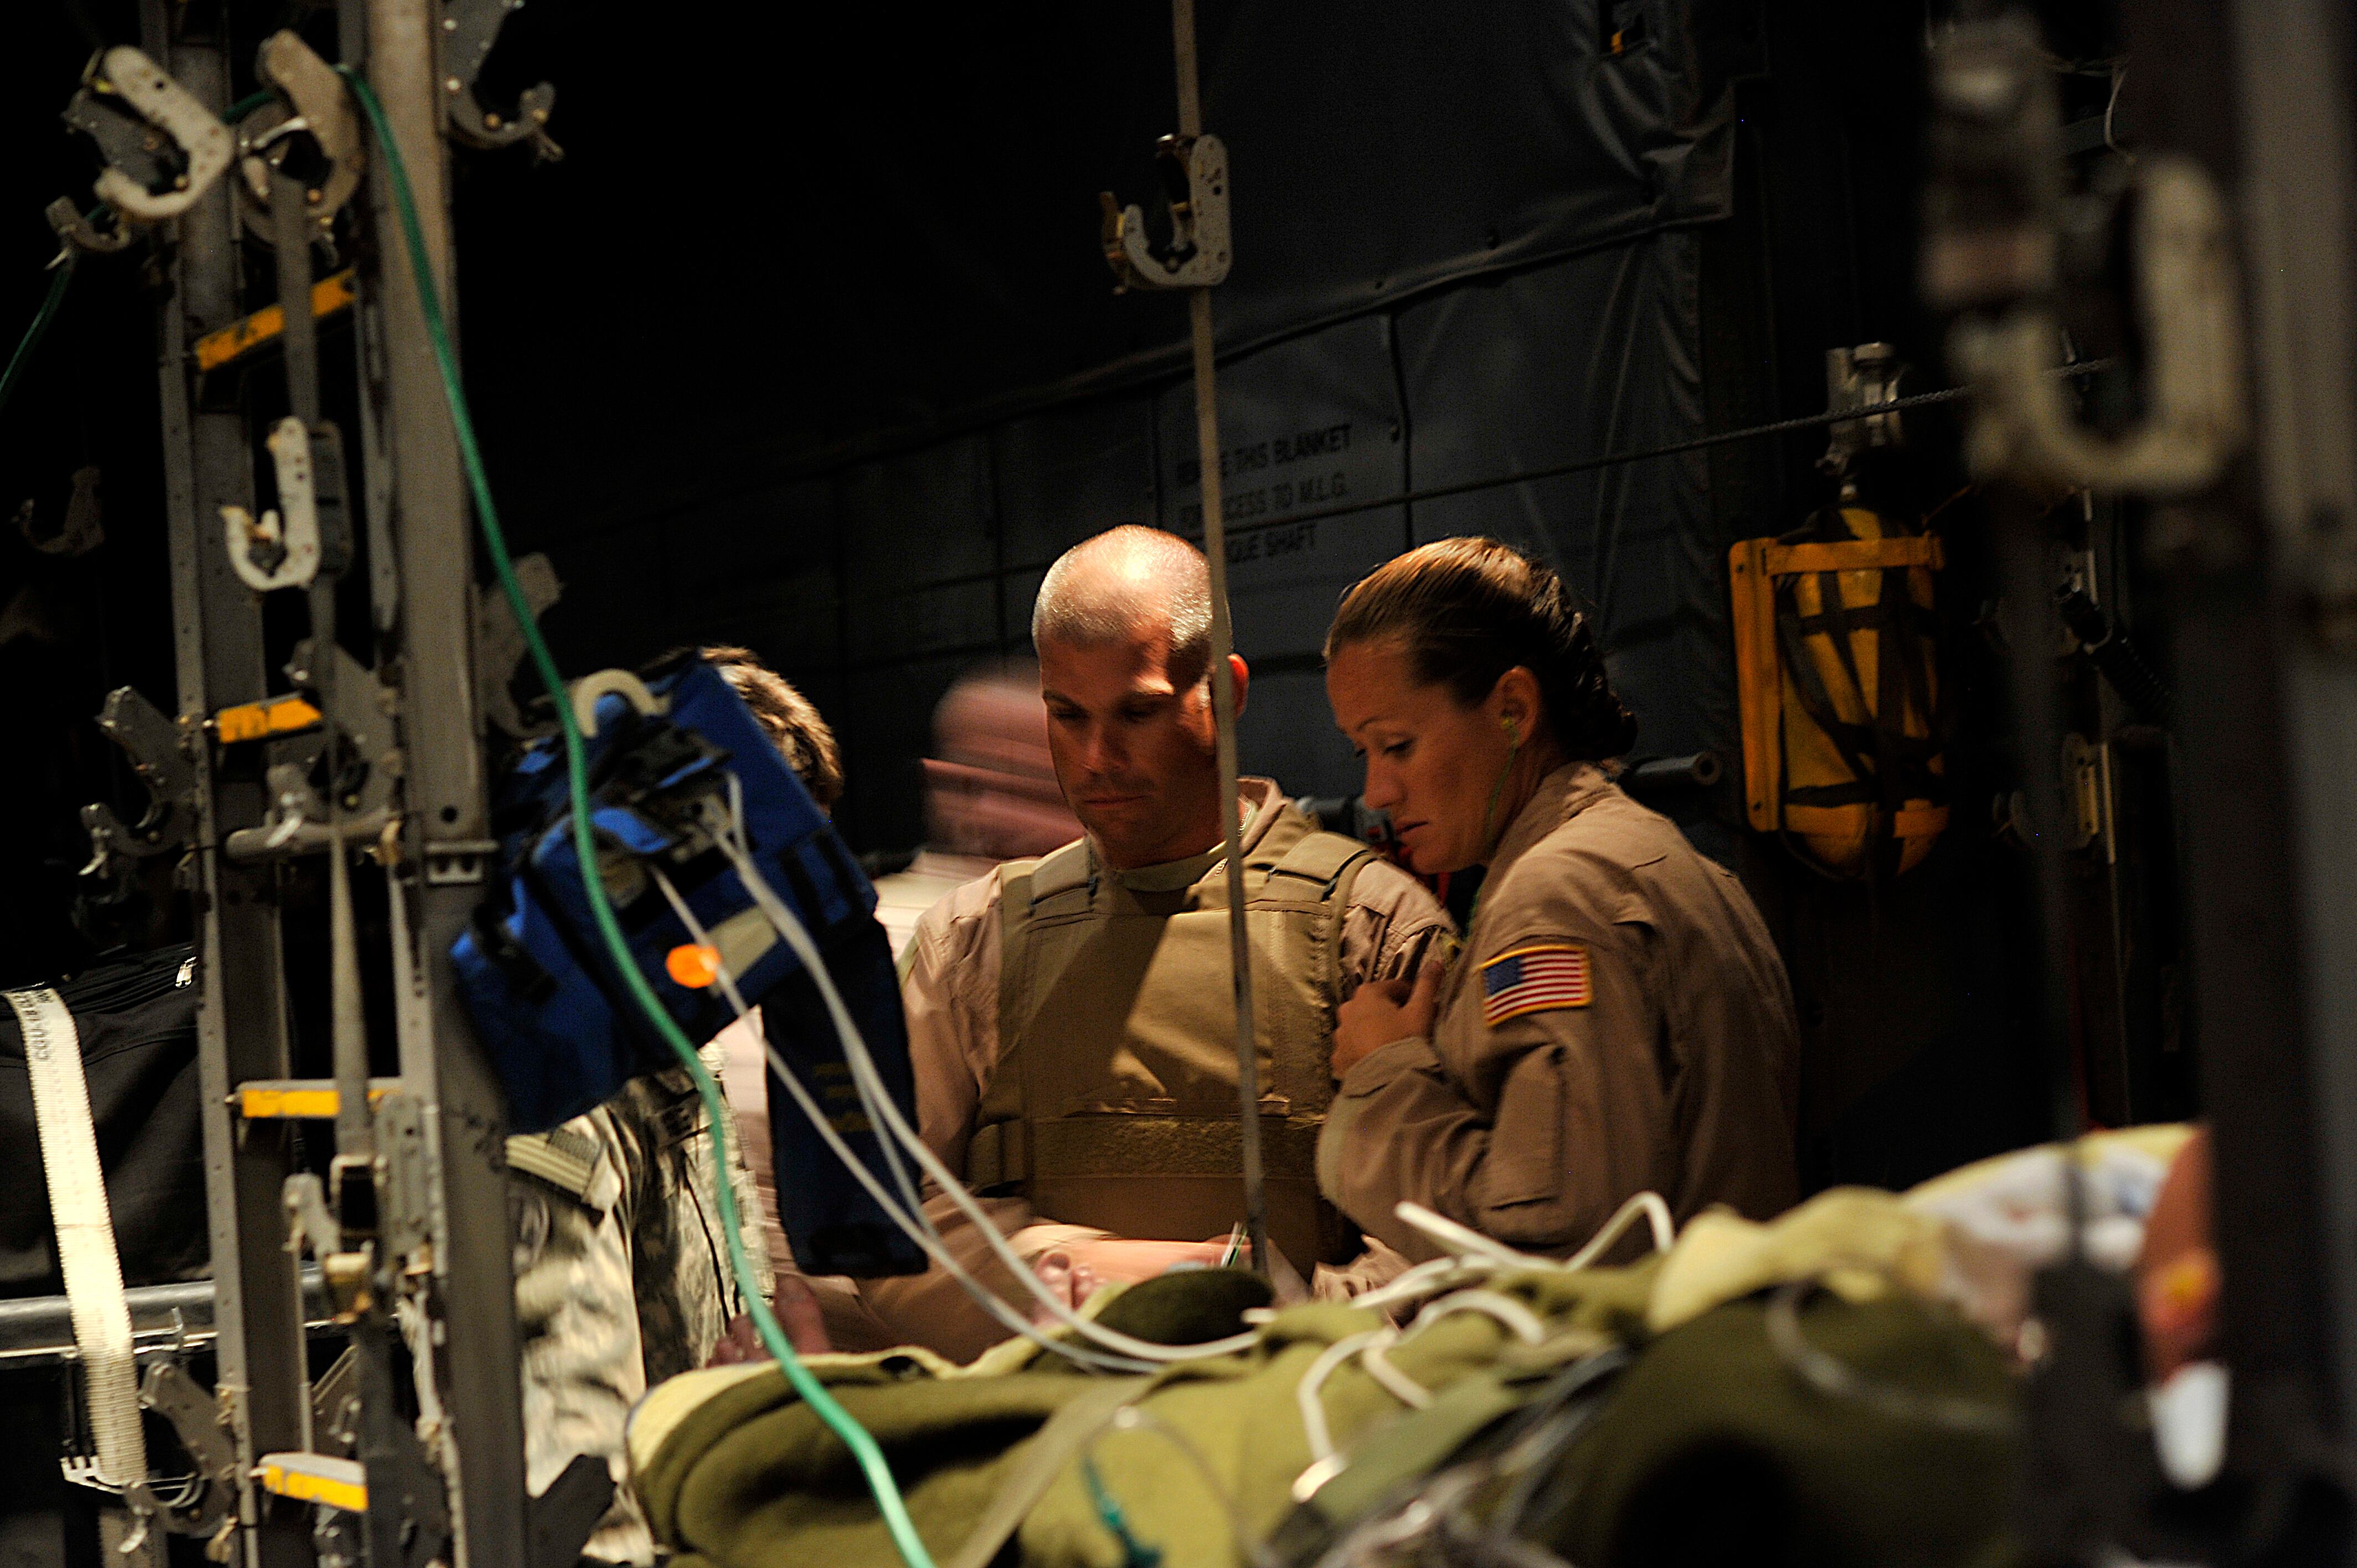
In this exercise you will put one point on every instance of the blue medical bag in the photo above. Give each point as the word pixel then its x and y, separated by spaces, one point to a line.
pixel 563 1032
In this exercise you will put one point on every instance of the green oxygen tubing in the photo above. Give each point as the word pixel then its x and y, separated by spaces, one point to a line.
pixel 855 1436
pixel 22 358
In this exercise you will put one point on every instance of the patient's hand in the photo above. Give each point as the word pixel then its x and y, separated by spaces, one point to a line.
pixel 1077 1269
pixel 797 1313
pixel 1112 1259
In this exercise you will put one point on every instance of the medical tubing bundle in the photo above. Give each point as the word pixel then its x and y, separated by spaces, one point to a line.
pixel 23 356
pixel 838 1015
pixel 862 1443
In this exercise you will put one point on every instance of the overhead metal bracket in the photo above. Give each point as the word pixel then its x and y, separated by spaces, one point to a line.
pixel 83 530
pixel 1993 255
pixel 500 646
pixel 470 30
pixel 310 1223
pixel 1195 187
pixel 354 700
pixel 1857 378
pixel 281 548
pixel 162 148
pixel 407 1214
pixel 361 708
pixel 2196 416
pixel 308 532
pixel 313 103
pixel 79 233
pixel 152 743
pixel 458 861
pixel 199 1503
pixel 208 1499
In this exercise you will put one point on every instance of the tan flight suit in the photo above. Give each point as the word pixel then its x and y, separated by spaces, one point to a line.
pixel 1650 1044
pixel 1107 1102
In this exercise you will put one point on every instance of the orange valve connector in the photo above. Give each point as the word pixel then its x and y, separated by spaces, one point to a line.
pixel 693 964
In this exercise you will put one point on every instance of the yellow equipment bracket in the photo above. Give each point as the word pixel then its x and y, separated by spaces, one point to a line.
pixel 315 1478
pixel 298 1098
pixel 260 721
pixel 1753 566
pixel 334 293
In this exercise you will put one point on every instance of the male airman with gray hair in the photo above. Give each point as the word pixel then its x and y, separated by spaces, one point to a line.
pixel 1070 1018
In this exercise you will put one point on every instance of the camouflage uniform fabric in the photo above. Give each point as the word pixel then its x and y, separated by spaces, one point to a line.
pixel 622 1275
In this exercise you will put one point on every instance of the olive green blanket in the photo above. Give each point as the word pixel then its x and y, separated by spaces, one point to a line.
pixel 736 1472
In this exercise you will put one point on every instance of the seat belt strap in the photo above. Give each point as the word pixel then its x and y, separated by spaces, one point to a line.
pixel 86 1251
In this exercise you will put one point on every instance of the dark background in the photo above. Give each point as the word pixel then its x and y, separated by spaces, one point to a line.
pixel 806 344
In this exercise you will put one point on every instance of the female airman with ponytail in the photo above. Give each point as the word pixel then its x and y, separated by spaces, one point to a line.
pixel 1618 1020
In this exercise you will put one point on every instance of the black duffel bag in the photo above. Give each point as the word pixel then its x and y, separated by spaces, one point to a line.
pixel 138 1021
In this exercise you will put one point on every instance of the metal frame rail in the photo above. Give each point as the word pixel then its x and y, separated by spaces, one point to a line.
pixel 2241 467
pixel 429 1211
pixel 1196 260
pixel 217 631
pixel 2260 94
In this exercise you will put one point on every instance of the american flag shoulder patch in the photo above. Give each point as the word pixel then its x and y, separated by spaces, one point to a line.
pixel 1534 979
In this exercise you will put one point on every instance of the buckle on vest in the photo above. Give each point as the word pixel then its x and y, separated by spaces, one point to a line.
pixel 998 1156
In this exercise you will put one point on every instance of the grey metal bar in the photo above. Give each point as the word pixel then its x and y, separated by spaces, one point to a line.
pixel 2259 93
pixel 252 845
pixel 1656 774
pixel 241 1030
pixel 445 802
pixel 291 225
pixel 38 1330
pixel 1223 679
pixel 2297 169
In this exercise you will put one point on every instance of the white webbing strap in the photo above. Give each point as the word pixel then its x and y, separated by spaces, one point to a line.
pixel 86 1254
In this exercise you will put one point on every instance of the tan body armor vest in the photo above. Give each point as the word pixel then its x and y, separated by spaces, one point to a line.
pixel 1114 1101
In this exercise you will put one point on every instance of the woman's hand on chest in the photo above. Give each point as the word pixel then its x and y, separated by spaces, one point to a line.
pixel 1383 1011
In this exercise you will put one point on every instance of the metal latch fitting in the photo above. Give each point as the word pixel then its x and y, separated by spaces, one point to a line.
pixel 1195 186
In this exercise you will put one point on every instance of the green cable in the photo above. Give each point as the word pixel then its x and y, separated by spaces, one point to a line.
pixel 855 1436
pixel 23 356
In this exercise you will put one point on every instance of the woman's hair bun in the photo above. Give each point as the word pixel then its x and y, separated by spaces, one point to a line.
pixel 1465 611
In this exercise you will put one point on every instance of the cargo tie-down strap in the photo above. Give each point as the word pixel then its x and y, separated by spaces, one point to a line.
pixel 85 1227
